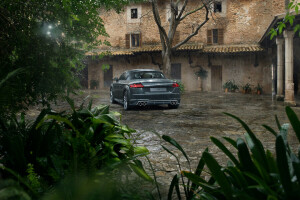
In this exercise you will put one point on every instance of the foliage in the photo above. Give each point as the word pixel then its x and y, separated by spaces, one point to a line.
pixel 247 88
pixel 258 88
pixel 94 84
pixel 181 86
pixel 287 21
pixel 231 86
pixel 48 40
pixel 84 141
pixel 255 173
pixel 202 73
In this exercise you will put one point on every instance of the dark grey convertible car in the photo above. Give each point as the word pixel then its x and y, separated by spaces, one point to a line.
pixel 143 87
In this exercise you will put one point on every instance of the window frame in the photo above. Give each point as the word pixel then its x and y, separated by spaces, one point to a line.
pixel 135 14
pixel 218 3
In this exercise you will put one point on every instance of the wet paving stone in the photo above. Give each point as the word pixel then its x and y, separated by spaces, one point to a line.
pixel 200 116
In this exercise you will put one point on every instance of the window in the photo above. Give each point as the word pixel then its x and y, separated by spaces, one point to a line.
pixel 147 75
pixel 123 76
pixel 215 36
pixel 134 13
pixel 217 7
pixel 133 40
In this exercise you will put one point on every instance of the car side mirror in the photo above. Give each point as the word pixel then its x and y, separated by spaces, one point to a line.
pixel 116 79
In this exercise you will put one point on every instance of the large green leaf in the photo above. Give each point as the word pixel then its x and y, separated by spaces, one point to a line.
pixel 221 146
pixel 175 144
pixel 238 177
pixel 198 172
pixel 244 156
pixel 218 174
pixel 197 180
pixel 270 130
pixel 255 145
pixel 282 163
pixel 294 121
pixel 231 141
pixel 141 172
pixel 264 187
pixel 59 119
pixel 174 184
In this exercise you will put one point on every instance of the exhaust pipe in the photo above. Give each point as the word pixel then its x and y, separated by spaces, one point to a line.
pixel 141 103
pixel 173 102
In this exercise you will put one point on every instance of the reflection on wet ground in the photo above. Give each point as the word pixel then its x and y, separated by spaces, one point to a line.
pixel 199 117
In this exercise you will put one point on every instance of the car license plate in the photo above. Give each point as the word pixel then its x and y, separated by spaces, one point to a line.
pixel 158 89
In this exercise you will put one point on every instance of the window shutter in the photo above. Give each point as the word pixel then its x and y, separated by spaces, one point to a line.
pixel 140 40
pixel 127 41
pixel 209 36
pixel 221 36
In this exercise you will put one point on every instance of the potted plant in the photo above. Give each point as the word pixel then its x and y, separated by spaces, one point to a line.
pixel 258 89
pixel 230 86
pixel 246 88
pixel 94 84
pixel 201 74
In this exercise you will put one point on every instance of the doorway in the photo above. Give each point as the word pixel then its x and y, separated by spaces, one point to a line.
pixel 108 76
pixel 216 78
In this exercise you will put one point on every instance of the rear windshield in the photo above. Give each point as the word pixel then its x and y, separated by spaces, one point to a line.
pixel 147 75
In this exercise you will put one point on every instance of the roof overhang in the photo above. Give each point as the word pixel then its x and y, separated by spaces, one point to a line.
pixel 200 48
pixel 233 49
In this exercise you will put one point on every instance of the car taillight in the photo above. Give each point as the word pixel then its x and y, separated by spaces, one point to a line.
pixel 175 85
pixel 138 85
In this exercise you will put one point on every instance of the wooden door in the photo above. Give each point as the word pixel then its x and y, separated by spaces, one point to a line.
pixel 216 78
pixel 108 76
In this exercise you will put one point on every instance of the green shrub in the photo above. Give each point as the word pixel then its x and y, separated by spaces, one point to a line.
pixel 247 88
pixel 84 141
pixel 231 86
pixel 181 87
pixel 255 173
pixel 94 84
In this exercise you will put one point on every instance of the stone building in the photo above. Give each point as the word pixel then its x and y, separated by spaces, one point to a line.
pixel 233 45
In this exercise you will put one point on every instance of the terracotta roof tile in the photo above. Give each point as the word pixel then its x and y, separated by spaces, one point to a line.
pixel 233 48
pixel 195 47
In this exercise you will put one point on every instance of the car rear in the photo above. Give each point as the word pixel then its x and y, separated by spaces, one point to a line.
pixel 154 92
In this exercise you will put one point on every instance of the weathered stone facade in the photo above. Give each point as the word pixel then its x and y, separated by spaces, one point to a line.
pixel 243 22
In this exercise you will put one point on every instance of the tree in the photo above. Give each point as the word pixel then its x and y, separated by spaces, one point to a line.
pixel 177 16
pixel 48 39
pixel 288 20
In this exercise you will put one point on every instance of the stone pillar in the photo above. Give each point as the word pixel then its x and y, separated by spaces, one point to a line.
pixel 289 98
pixel 280 68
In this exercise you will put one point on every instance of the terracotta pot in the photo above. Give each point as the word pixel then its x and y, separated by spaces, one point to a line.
pixel 226 90
pixel 258 92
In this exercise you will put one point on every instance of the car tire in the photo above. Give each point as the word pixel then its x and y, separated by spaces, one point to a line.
pixel 112 99
pixel 126 105
pixel 173 106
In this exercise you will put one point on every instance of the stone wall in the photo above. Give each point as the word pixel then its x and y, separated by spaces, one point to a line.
pixel 243 21
pixel 240 68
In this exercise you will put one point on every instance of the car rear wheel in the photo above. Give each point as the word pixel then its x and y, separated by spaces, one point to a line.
pixel 112 99
pixel 126 101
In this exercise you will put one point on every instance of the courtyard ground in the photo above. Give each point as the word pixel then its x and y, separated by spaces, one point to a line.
pixel 199 117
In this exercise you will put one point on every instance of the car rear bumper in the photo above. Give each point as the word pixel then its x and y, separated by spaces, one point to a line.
pixel 155 99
